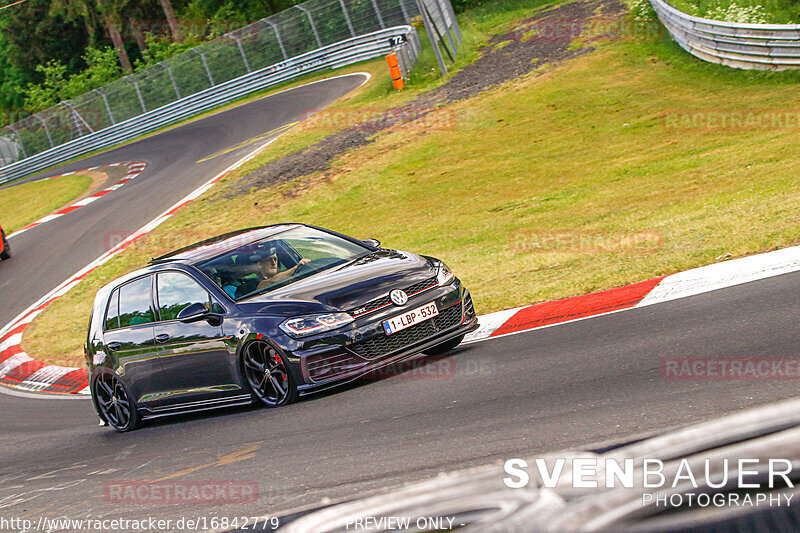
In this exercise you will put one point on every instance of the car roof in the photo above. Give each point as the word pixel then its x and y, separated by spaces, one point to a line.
pixel 220 244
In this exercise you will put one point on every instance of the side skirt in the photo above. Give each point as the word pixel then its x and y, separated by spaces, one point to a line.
pixel 192 407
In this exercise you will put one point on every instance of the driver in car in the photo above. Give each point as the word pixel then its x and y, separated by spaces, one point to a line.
pixel 268 268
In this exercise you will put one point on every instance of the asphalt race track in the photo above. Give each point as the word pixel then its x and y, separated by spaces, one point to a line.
pixel 575 384
pixel 572 385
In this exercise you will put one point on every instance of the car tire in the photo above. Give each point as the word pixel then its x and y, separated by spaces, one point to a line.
pixel 6 253
pixel 267 374
pixel 114 403
pixel 445 347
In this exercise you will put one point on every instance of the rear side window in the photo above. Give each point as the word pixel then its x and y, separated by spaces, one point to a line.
pixel 178 291
pixel 135 303
pixel 112 313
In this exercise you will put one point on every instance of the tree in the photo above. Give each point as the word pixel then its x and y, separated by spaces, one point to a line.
pixel 34 38
pixel 174 28
pixel 11 84
pixel 97 13
pixel 57 86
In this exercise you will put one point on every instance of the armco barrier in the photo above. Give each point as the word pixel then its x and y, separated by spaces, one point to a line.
pixel 400 38
pixel 745 46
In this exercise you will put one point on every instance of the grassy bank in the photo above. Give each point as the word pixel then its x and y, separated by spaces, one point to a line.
pixel 633 161
pixel 754 11
pixel 28 202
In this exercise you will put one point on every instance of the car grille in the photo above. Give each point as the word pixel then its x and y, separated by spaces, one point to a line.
pixel 386 344
pixel 327 366
pixel 383 301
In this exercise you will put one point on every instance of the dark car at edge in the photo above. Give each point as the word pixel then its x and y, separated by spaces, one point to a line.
pixel 265 315
pixel 5 249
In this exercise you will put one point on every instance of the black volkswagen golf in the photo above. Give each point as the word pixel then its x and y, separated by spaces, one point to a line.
pixel 264 314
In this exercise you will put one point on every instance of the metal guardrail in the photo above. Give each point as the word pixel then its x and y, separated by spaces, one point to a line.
pixel 739 45
pixel 336 55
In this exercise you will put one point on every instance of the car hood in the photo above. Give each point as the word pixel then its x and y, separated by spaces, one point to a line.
pixel 345 288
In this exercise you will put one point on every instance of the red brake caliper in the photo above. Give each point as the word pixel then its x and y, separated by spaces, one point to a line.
pixel 278 360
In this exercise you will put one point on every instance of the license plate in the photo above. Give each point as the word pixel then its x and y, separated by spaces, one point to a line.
pixel 408 319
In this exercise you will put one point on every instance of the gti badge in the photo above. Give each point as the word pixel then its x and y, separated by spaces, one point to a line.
pixel 398 297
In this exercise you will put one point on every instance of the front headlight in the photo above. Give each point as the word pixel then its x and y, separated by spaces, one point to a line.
pixel 303 326
pixel 443 274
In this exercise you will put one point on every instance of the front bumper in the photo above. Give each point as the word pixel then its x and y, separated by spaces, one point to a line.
pixel 367 348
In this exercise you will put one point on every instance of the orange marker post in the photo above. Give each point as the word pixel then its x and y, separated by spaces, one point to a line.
pixel 394 71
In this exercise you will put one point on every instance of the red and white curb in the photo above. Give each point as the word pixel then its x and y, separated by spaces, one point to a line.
pixel 21 372
pixel 689 283
pixel 134 169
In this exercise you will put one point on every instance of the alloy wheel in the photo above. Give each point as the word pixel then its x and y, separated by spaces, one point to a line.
pixel 267 374
pixel 114 403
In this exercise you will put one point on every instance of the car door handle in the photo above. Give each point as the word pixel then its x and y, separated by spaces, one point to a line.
pixel 114 346
pixel 162 337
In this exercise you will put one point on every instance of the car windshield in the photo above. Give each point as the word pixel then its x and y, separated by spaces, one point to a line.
pixel 279 260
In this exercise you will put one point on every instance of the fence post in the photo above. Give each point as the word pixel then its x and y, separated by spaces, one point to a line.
pixel 416 45
pixel 401 61
pixel 378 14
pixel 6 156
pixel 105 101
pixel 21 144
pixel 277 36
pixel 409 60
pixel 77 118
pixel 431 35
pixel 347 18
pixel 406 17
pixel 138 92
pixel 205 64
pixel 46 129
pixel 241 50
pixel 449 7
pixel 172 79
pixel 311 21
pixel 447 30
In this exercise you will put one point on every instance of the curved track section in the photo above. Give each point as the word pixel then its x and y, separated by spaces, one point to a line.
pixel 177 163
pixel 565 386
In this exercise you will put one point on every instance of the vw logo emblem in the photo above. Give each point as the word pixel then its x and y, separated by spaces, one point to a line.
pixel 398 297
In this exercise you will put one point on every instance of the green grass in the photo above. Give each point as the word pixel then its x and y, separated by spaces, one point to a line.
pixel 25 203
pixel 776 11
pixel 529 190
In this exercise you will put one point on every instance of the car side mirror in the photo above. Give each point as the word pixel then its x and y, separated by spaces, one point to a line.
pixel 375 243
pixel 195 311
